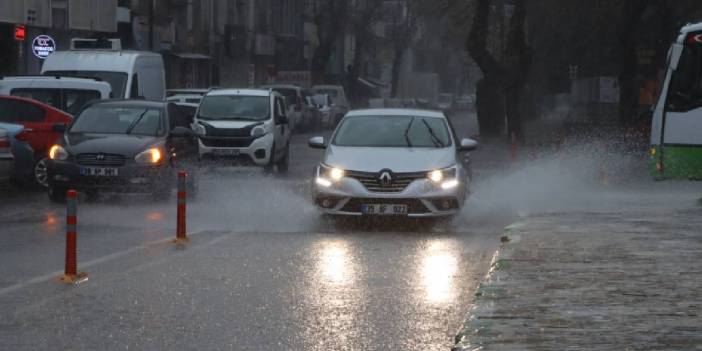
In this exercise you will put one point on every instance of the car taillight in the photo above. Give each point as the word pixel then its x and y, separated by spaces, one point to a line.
pixel 22 136
pixel 4 146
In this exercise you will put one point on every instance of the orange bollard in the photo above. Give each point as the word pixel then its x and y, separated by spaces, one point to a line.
pixel 181 236
pixel 71 275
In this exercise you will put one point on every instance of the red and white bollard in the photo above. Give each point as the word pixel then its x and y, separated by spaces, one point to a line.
pixel 71 275
pixel 181 236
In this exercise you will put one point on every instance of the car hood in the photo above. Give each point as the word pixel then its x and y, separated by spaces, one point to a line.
pixel 126 145
pixel 400 160
pixel 228 124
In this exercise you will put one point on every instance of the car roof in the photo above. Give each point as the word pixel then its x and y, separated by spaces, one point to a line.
pixel 336 87
pixel 281 86
pixel 249 92
pixel 397 112
pixel 130 103
pixel 36 102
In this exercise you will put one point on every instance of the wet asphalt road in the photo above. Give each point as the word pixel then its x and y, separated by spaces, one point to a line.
pixel 262 272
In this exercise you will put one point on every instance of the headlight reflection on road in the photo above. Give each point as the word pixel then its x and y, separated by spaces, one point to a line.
pixel 335 263
pixel 438 267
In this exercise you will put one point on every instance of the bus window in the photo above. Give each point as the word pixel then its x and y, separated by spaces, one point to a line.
pixel 686 85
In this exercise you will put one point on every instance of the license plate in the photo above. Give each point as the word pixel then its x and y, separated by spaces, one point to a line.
pixel 99 172
pixel 384 210
pixel 226 152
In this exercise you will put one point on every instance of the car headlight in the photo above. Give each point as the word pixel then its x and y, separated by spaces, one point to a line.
pixel 447 178
pixel 57 152
pixel 326 175
pixel 258 132
pixel 150 156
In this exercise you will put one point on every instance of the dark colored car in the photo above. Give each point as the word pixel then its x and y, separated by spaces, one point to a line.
pixel 124 146
pixel 42 128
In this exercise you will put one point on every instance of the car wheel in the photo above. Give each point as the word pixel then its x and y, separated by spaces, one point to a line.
pixel 284 164
pixel 57 194
pixel 41 172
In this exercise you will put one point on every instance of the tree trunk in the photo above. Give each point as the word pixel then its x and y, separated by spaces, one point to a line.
pixel 490 107
pixel 489 94
pixel 396 69
pixel 517 62
pixel 631 16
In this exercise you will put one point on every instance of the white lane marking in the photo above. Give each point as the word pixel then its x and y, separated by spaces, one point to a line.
pixel 106 258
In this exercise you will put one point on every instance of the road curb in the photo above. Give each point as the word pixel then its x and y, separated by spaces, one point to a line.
pixel 483 324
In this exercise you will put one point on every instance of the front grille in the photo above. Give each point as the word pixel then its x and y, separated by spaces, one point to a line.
pixel 227 142
pixel 100 160
pixel 400 181
pixel 414 206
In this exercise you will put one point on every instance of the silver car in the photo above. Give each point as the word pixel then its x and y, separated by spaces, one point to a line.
pixel 392 162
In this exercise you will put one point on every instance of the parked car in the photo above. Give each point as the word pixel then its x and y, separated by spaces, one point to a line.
pixel 186 91
pixel 42 128
pixel 399 162
pixel 124 146
pixel 7 159
pixel 132 74
pixel 447 103
pixel 65 93
pixel 16 156
pixel 324 105
pixel 244 127
pixel 188 99
pixel 191 96
pixel 300 115
pixel 340 105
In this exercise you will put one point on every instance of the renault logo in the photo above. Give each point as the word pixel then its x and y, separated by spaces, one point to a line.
pixel 100 157
pixel 385 177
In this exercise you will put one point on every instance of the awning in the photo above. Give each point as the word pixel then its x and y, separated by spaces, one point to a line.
pixel 192 56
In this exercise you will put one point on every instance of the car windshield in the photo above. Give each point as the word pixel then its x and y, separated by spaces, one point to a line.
pixel 119 120
pixel 117 80
pixel 243 107
pixel 392 131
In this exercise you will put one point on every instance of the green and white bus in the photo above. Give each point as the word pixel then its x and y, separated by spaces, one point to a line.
pixel 676 132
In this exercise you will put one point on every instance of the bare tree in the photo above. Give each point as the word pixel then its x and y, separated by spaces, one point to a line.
pixel 331 20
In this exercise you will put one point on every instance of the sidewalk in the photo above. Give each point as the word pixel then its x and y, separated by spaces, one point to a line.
pixel 629 280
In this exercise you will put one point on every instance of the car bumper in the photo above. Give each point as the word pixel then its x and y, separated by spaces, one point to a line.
pixel 257 153
pixel 7 168
pixel 131 178
pixel 422 198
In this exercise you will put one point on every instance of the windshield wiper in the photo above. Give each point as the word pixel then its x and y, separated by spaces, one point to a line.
pixel 435 139
pixel 136 122
pixel 407 138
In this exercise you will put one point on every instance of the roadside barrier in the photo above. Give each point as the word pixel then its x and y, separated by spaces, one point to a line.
pixel 181 236
pixel 71 275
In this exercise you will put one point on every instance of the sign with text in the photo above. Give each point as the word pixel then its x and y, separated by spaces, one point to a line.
pixel 43 46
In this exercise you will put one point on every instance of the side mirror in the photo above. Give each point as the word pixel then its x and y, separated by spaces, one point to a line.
pixel 317 143
pixel 59 128
pixel 468 144
pixel 182 132
pixel 282 120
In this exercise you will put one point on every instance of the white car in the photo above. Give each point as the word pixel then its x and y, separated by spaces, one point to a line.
pixel 339 104
pixel 68 94
pixel 400 162
pixel 244 127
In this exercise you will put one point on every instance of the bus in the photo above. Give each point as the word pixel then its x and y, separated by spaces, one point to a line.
pixel 676 131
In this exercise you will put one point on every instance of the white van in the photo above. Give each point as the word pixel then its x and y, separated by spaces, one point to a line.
pixel 64 93
pixel 676 137
pixel 132 74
